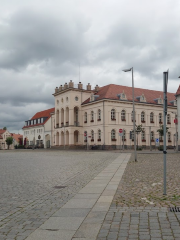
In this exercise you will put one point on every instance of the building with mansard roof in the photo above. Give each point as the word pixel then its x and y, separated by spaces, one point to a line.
pixel 37 130
pixel 86 117
pixel 178 113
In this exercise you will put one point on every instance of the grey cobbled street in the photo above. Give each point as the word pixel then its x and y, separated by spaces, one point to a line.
pixel 34 184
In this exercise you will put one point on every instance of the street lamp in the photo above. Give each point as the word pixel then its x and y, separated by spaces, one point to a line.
pixel 135 154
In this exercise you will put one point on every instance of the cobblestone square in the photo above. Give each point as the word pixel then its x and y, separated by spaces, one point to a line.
pixel 27 180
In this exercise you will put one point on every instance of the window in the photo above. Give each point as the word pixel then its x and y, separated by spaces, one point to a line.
pixel 160 118
pixel 132 132
pixel 76 98
pixel 34 121
pixel 92 136
pixel 124 135
pixel 25 123
pixel 99 115
pixel 85 117
pixel 123 115
pixel 151 117
pixel 143 136
pixel 99 135
pixel 38 120
pixel 152 136
pixel 41 120
pixel 85 136
pixel 160 138
pixel 143 117
pixel 168 119
pixel 31 122
pixel 92 116
pixel 66 99
pixel 132 116
pixel 169 137
pixel 113 135
pixel 113 114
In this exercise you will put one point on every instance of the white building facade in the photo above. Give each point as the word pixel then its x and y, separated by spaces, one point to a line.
pixel 37 130
pixel 93 117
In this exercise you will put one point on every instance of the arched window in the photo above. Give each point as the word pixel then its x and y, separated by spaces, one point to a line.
pixel 168 119
pixel 160 118
pixel 132 135
pixel 132 116
pixel 92 116
pixel 143 136
pixel 92 136
pixel 143 117
pixel 99 135
pixel 85 136
pixel 151 117
pixel 99 115
pixel 123 115
pixel 85 117
pixel 160 138
pixel 113 114
pixel 124 135
pixel 169 137
pixel 113 135
pixel 152 136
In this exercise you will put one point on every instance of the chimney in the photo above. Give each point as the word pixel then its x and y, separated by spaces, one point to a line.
pixel 97 88
pixel 71 84
pixel 80 86
pixel 89 87
pixel 56 89
pixel 65 86
pixel 60 88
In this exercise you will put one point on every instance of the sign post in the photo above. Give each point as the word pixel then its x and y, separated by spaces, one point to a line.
pixel 165 83
pixel 120 134
pixel 157 142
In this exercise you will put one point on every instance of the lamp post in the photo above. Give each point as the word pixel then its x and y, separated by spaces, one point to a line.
pixel 135 154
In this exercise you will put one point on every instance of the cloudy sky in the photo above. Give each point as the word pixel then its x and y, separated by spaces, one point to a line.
pixel 43 42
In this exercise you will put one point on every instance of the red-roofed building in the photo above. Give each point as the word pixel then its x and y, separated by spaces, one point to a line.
pixel 37 130
pixel 3 135
pixel 17 139
pixel 178 112
pixel 86 116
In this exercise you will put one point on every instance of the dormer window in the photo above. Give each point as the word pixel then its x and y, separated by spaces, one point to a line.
pixel 94 97
pixel 174 102
pixel 141 98
pixel 122 96
pixel 159 100
pixel 38 120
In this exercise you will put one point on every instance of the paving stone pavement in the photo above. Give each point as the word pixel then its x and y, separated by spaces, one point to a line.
pixel 130 216
pixel 27 179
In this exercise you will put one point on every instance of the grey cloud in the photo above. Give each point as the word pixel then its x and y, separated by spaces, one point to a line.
pixel 29 37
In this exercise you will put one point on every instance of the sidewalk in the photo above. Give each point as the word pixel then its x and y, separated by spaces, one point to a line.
pixel 82 217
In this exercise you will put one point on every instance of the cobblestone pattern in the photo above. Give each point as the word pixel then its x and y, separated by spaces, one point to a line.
pixel 139 210
pixel 141 223
pixel 142 182
pixel 27 180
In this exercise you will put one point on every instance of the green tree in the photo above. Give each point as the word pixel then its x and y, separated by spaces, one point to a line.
pixel 9 141
pixel 161 130
pixel 138 129
pixel 4 128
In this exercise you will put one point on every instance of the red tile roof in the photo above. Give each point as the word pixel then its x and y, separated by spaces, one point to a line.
pixel 45 113
pixel 111 91
pixel 16 136
pixel 178 91
pixel 2 131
